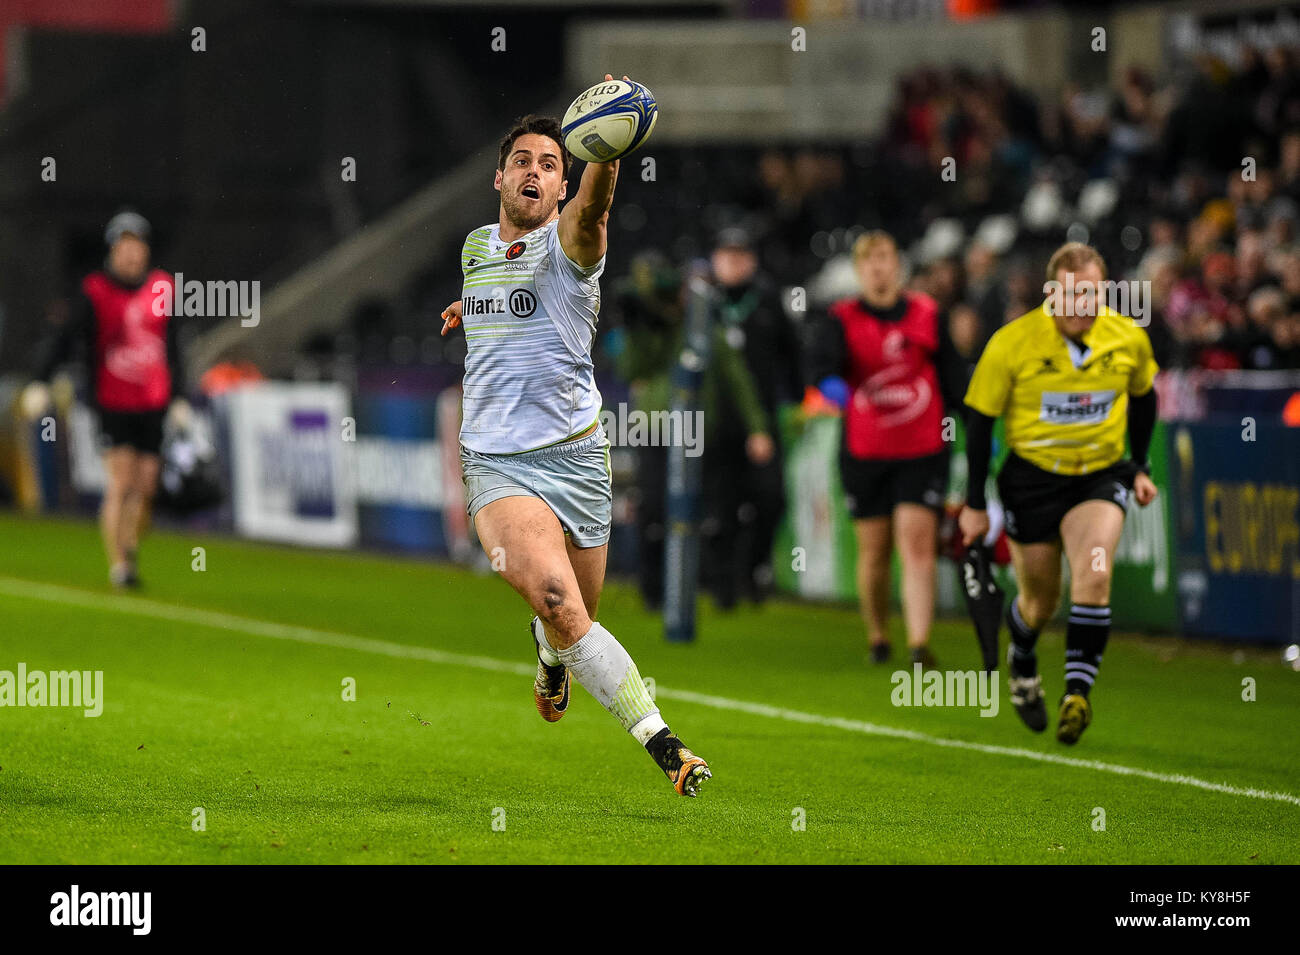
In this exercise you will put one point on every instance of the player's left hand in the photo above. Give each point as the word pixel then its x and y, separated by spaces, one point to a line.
pixel 451 316
pixel 973 524
pixel 1144 489
pixel 179 414
pixel 759 448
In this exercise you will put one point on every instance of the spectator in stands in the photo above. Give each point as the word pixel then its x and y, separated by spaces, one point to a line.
pixel 1261 347
pixel 945 283
pixel 1288 270
pixel 1159 267
pixel 1288 168
pixel 1252 264
pixel 984 290
pixel 1023 291
pixel 965 331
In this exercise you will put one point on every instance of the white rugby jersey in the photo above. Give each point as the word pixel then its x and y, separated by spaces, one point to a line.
pixel 529 314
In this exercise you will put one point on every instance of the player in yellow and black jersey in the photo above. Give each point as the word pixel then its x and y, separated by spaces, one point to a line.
pixel 1070 380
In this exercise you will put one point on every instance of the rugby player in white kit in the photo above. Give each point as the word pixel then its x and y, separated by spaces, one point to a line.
pixel 534 457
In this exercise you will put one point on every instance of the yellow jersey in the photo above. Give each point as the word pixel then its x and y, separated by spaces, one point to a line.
pixel 1066 407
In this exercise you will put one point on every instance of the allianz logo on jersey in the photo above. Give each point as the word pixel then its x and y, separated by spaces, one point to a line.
pixel 1076 407
pixel 521 303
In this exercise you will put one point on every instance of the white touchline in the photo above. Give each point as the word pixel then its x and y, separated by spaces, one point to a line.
pixel 143 607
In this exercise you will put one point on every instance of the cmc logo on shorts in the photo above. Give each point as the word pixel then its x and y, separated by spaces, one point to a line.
pixel 523 302
pixel 516 250
pixel 592 528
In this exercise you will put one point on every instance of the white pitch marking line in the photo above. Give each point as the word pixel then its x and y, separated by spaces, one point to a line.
pixel 144 607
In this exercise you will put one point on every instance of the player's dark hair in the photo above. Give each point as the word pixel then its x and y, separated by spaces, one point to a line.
pixel 538 126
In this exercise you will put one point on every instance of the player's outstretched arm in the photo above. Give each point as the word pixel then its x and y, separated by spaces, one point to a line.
pixel 583 222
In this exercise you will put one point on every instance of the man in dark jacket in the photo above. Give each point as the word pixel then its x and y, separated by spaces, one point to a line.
pixel 755 324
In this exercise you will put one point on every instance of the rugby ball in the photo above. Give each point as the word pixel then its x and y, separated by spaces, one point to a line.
pixel 609 120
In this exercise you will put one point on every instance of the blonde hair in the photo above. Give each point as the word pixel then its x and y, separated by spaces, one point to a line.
pixel 1072 257
pixel 869 240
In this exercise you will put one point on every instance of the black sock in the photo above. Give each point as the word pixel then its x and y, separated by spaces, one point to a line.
pixel 663 748
pixel 1085 640
pixel 1024 661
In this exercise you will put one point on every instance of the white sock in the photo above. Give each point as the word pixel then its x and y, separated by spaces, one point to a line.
pixel 646 730
pixel 608 673
pixel 544 648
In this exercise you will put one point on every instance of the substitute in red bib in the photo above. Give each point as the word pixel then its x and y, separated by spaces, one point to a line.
pixel 133 367
pixel 881 358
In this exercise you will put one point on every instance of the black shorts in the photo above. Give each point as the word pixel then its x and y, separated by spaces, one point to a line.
pixel 142 430
pixel 1035 500
pixel 873 487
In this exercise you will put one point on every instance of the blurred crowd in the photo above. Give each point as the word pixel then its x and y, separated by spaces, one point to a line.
pixel 1190 183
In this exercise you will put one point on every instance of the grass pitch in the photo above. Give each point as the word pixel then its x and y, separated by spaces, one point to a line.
pixel 224 691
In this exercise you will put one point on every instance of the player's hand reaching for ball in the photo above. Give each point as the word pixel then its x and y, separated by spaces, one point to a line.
pixel 973 524
pixel 1144 489
pixel 451 316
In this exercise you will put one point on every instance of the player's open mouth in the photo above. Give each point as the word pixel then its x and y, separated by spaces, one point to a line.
pixel 531 192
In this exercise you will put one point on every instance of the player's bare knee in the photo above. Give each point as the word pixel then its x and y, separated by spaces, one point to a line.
pixel 552 594
pixel 561 612
pixel 918 556
pixel 872 570
pixel 1037 609
pixel 1092 589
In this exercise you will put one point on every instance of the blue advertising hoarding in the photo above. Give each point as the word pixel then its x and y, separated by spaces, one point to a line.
pixel 1237 525
pixel 405 462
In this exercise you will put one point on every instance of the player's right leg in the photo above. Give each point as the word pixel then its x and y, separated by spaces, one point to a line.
pixel 527 544
pixel 1090 532
pixel 916 527
pixel 137 508
pixel 873 537
pixel 870 499
pixel 1038 574
pixel 118 470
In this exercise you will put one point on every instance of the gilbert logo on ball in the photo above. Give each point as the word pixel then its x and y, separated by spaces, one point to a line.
pixel 609 120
